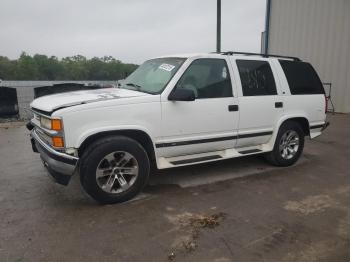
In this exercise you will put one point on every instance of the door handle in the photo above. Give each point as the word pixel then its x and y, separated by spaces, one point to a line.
pixel 278 104
pixel 232 108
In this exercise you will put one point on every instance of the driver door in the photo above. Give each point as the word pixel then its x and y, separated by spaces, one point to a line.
pixel 210 122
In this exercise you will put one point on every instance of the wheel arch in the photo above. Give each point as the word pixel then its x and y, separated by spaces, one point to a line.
pixel 301 120
pixel 138 135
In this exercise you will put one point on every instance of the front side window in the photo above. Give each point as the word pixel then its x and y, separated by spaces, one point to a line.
pixel 208 78
pixel 153 75
pixel 256 77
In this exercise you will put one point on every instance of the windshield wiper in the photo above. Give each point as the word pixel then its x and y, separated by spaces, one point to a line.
pixel 138 87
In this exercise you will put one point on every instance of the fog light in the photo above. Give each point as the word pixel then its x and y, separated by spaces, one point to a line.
pixel 57 141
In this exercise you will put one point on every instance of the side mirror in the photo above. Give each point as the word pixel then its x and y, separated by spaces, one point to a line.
pixel 182 94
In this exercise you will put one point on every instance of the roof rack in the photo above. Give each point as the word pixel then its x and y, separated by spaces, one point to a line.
pixel 258 54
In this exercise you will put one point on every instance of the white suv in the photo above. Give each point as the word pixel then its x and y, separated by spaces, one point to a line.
pixel 175 111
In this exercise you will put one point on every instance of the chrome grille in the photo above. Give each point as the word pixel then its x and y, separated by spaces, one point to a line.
pixel 44 137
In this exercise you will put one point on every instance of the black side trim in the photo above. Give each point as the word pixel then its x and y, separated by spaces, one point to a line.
pixel 201 141
pixel 194 160
pixel 250 151
pixel 210 140
pixel 56 157
pixel 255 134
pixel 316 126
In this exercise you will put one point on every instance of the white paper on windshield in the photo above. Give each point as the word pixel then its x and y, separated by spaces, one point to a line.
pixel 166 67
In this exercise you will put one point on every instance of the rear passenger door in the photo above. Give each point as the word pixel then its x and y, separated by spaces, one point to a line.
pixel 260 104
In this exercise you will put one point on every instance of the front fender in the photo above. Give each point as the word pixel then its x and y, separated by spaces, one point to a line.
pixel 91 132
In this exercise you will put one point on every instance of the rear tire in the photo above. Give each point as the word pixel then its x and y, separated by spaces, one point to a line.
pixel 288 146
pixel 114 169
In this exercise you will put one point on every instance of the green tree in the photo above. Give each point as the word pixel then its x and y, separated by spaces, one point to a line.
pixel 49 68
pixel 26 68
pixel 7 68
pixel 42 67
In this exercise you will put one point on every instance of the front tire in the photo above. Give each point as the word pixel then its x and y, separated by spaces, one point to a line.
pixel 288 146
pixel 114 169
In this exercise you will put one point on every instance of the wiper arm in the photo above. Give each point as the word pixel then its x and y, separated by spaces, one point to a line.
pixel 138 87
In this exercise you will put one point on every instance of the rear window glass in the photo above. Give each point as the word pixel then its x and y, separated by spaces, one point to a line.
pixel 256 77
pixel 302 78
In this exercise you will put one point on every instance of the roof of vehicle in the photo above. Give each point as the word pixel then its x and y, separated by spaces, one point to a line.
pixel 232 53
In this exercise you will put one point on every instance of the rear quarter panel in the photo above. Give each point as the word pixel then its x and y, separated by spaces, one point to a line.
pixel 311 107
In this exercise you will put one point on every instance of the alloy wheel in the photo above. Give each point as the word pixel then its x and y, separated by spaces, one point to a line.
pixel 289 144
pixel 117 172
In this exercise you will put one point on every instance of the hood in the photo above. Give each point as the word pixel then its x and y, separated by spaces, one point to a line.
pixel 52 102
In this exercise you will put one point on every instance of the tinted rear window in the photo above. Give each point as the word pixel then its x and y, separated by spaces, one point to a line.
pixel 256 77
pixel 302 78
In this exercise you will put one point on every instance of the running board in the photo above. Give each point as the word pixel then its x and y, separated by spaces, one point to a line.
pixel 168 162
pixel 250 151
pixel 195 160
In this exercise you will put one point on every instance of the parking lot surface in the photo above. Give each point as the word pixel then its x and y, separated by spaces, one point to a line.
pixel 234 210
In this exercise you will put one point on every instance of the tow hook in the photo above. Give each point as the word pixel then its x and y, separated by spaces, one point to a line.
pixel 29 126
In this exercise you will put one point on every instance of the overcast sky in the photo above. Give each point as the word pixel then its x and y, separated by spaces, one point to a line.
pixel 129 30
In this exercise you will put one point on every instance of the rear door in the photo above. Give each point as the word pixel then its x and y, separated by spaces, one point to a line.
pixel 260 101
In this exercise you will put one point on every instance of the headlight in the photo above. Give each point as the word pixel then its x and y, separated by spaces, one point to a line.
pixel 51 124
pixel 45 122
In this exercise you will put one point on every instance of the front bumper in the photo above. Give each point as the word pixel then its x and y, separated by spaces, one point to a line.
pixel 60 166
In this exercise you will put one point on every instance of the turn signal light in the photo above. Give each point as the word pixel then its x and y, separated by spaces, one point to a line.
pixel 57 141
pixel 56 124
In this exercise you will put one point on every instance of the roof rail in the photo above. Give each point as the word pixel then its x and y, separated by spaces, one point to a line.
pixel 258 54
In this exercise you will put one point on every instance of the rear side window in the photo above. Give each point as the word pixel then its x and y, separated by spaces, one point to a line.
pixel 256 77
pixel 302 78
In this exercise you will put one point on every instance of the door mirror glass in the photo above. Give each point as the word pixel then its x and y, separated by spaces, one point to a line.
pixel 182 94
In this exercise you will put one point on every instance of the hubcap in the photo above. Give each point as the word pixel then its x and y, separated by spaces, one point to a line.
pixel 117 172
pixel 289 144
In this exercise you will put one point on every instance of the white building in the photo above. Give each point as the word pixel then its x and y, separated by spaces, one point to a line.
pixel 317 31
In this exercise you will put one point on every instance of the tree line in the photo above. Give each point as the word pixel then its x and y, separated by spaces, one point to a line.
pixel 42 67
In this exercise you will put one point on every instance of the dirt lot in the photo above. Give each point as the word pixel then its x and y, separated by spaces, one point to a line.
pixel 236 210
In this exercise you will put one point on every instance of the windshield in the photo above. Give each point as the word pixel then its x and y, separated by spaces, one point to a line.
pixel 153 75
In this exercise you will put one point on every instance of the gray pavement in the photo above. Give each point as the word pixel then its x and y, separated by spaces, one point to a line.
pixel 234 210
